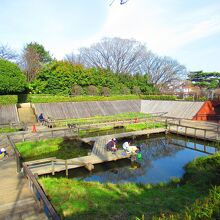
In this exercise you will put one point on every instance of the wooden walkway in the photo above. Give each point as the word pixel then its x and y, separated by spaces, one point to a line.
pixel 127 134
pixel 17 201
pixel 99 155
pixel 196 129
pixel 57 165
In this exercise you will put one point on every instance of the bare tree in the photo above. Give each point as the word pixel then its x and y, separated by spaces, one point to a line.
pixel 130 56
pixel 30 63
pixel 73 58
pixel 7 53
pixel 116 54
pixel 162 70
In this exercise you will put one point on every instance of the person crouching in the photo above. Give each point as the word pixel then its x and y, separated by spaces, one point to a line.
pixel 111 145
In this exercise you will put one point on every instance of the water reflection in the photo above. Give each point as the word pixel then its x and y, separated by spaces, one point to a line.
pixel 162 159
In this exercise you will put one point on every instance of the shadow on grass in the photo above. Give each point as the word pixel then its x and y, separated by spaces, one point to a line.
pixel 61 148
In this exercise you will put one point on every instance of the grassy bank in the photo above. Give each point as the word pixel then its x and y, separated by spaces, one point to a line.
pixel 8 130
pixel 100 119
pixel 66 148
pixel 126 128
pixel 196 196
pixel 62 148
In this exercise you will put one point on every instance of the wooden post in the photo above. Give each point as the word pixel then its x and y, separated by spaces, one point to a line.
pixel 195 133
pixel 66 165
pixel 177 128
pixel 185 131
pixel 52 133
pixel 53 167
pixel 217 132
pixel 23 138
pixel 204 134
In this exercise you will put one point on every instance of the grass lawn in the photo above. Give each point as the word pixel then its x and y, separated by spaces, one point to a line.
pixel 99 119
pixel 195 196
pixel 8 130
pixel 127 128
pixel 66 148
pixel 62 148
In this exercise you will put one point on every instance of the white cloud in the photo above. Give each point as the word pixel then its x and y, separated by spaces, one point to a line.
pixel 158 25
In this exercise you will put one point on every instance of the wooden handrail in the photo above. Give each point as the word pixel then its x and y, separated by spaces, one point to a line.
pixel 202 129
pixel 40 161
pixel 46 202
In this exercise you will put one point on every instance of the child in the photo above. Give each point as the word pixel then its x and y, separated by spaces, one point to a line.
pixel 4 152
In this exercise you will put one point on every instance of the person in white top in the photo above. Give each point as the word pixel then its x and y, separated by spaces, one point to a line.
pixel 128 148
pixel 126 145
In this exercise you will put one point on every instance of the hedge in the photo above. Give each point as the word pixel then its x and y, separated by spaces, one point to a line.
pixel 159 97
pixel 40 98
pixel 8 99
pixel 52 98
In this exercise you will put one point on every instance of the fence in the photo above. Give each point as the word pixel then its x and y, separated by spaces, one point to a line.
pixel 17 154
pixel 39 194
pixel 196 132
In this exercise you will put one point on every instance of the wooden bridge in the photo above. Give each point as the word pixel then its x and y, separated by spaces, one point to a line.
pixel 99 155
pixel 200 130
pixel 53 165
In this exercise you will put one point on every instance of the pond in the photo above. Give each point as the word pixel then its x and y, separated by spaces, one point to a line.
pixel 163 158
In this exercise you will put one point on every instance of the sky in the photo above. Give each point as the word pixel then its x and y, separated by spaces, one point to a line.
pixel 186 30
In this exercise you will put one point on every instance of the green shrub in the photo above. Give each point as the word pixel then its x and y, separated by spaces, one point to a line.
pixel 125 90
pixel 92 90
pixel 8 99
pixel 76 90
pixel 105 91
pixel 12 79
pixel 58 77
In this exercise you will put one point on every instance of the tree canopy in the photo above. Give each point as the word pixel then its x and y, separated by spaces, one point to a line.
pixel 59 77
pixel 44 55
pixel 12 79
pixel 33 57
pixel 209 80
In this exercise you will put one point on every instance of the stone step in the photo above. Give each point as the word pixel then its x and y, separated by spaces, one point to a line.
pixel 27 115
